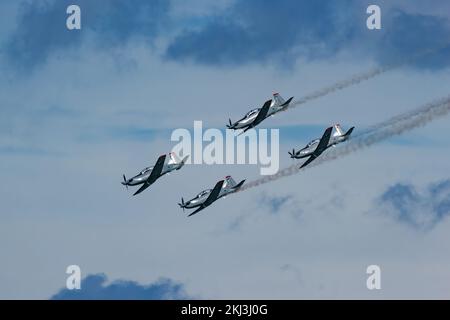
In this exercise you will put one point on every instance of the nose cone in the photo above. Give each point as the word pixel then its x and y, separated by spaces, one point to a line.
pixel 184 205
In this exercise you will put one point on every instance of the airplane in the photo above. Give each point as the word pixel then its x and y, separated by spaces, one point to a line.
pixel 149 175
pixel 207 197
pixel 318 146
pixel 256 116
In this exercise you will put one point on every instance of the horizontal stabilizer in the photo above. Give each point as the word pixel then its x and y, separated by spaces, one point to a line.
pixel 239 185
pixel 287 102
pixel 349 132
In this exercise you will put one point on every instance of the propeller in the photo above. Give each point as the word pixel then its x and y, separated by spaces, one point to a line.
pixel 229 126
pixel 125 181
pixel 182 204
pixel 292 154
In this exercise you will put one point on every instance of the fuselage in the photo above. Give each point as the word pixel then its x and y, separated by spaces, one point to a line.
pixel 246 121
pixel 278 104
pixel 198 199
pixel 202 196
pixel 312 146
pixel 141 177
pixel 229 186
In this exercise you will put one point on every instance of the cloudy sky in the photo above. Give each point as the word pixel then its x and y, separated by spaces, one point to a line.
pixel 80 108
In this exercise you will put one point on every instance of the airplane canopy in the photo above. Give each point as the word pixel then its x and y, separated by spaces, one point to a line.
pixel 145 170
pixel 203 193
pixel 251 112
pixel 313 142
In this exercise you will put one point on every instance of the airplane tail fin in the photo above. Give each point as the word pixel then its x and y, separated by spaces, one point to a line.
pixel 174 158
pixel 339 131
pixel 229 182
pixel 278 99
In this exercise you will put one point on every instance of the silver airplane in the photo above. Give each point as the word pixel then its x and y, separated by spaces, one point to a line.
pixel 207 197
pixel 316 147
pixel 256 116
pixel 150 174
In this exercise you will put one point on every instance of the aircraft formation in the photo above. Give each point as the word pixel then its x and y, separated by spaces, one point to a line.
pixel 170 162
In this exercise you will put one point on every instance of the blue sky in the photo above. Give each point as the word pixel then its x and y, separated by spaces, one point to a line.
pixel 80 108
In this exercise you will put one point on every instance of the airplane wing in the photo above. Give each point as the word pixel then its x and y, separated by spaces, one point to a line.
pixel 321 147
pixel 311 159
pixel 211 198
pixel 261 115
pixel 155 174
pixel 246 129
pixel 199 209
pixel 323 143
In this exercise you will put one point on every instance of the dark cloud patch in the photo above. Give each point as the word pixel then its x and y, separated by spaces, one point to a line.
pixel 275 203
pixel 256 31
pixel 249 31
pixel 93 287
pixel 421 210
pixel 407 34
pixel 41 28
pixel 441 194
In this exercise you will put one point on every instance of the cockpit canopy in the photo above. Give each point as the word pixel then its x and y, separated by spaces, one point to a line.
pixel 251 112
pixel 313 142
pixel 145 170
pixel 203 193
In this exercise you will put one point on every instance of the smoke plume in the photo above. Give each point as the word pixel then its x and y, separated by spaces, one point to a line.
pixel 377 133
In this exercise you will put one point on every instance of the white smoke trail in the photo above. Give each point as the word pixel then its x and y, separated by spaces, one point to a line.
pixel 341 85
pixel 356 79
pixel 382 131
